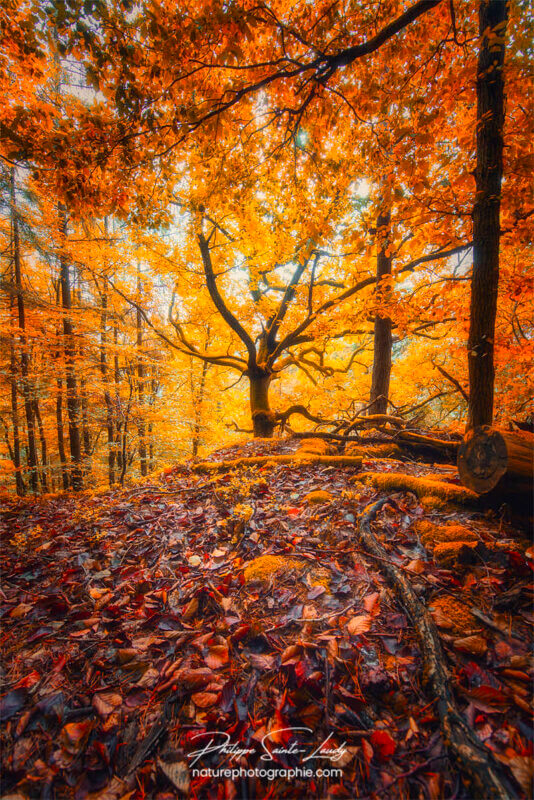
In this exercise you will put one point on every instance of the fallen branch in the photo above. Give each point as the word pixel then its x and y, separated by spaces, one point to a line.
pixel 483 774
pixel 296 460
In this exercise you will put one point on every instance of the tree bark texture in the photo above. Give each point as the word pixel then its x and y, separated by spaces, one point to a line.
pixel 382 327
pixel 486 210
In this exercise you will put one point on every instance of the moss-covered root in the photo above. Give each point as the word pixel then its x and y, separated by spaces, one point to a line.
pixel 296 460
pixel 429 486
pixel 484 776
pixel 386 450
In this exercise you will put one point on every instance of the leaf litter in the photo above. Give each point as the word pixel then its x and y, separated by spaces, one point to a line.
pixel 129 631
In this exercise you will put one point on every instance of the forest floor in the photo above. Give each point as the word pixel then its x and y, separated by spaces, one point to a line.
pixel 133 625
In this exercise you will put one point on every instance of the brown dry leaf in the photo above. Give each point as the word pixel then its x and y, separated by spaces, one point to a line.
pixel 105 703
pixel 193 678
pixel 204 699
pixel 371 603
pixel 103 601
pixel 20 610
pixel 475 645
pixel 149 679
pixel 359 624
pixel 417 566
pixel 177 772
pixel 190 610
pixel 523 770
pixel 217 656
pixel 441 619
pixel 290 653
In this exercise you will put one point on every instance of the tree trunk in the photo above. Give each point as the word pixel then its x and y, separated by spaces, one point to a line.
pixel 118 421
pixel 44 448
pixel 382 328
pixel 73 402
pixel 61 435
pixel 263 419
pixel 486 211
pixel 86 433
pixel 198 399
pixel 19 481
pixel 141 427
pixel 107 396
pixel 24 356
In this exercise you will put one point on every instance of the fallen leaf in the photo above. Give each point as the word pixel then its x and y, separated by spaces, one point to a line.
pixel 359 624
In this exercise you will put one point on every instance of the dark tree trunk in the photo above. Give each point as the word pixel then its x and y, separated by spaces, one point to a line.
pixel 73 401
pixel 118 421
pixel 61 435
pixel 382 328
pixel 24 355
pixel 86 433
pixel 263 419
pixel 19 481
pixel 198 398
pixel 107 396
pixel 486 210
pixel 141 427
pixel 44 448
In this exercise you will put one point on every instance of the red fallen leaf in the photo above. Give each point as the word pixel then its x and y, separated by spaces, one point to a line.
pixel 193 678
pixel 383 744
pixel 503 650
pixel 487 698
pixel 293 512
pixel 29 681
pixel 204 699
pixel 217 656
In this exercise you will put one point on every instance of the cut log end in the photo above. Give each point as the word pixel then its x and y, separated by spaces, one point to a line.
pixel 490 459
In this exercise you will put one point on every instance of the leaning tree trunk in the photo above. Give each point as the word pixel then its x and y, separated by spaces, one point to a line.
pixel 263 419
pixel 486 210
pixel 382 329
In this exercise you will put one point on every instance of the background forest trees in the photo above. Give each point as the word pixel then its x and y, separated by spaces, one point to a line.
pixel 212 213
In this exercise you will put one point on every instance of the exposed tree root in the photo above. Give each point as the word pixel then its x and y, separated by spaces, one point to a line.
pixel 296 460
pixel 429 486
pixel 483 774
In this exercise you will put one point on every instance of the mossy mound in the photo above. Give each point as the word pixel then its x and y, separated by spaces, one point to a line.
pixel 428 486
pixel 319 447
pixel 318 497
pixel 453 615
pixel 432 534
pixel 449 554
pixel 386 450
pixel 269 567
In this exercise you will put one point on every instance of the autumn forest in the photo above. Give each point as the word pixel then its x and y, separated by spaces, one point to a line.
pixel 266 396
